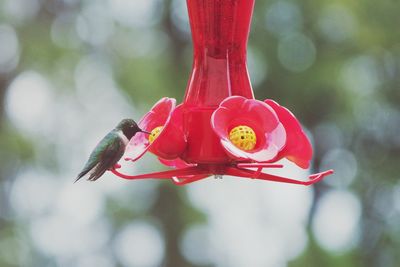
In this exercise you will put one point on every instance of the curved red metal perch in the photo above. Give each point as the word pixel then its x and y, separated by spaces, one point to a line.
pixel 314 178
pixel 159 175
pixel 188 175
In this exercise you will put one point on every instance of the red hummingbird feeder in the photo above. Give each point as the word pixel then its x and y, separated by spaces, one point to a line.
pixel 220 129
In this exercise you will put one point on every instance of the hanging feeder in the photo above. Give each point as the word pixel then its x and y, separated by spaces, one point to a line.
pixel 220 129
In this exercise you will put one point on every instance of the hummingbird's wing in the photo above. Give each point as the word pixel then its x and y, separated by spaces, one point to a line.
pixel 108 158
pixel 106 154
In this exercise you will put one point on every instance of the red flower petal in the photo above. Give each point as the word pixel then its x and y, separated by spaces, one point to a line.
pixel 298 148
pixel 171 142
pixel 237 110
pixel 161 114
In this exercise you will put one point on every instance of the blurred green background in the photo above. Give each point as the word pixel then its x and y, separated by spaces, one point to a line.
pixel 70 70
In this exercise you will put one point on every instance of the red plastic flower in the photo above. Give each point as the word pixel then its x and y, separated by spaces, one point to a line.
pixel 298 148
pixel 169 140
pixel 278 132
pixel 236 111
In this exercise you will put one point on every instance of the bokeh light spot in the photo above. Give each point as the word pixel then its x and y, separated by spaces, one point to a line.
pixel 94 24
pixel 258 66
pixel 360 75
pixel 9 48
pixel 63 31
pixel 296 52
pixel 57 236
pixel 139 244
pixel 180 17
pixel 283 17
pixel 195 245
pixel 21 10
pixel 137 14
pixel 29 89
pixel 335 224
pixel 345 165
pixel 81 203
pixel 24 196
pixel 336 23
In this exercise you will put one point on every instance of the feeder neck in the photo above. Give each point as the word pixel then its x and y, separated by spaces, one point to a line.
pixel 220 30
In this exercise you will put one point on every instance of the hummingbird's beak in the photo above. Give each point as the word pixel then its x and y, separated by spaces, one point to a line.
pixel 146 132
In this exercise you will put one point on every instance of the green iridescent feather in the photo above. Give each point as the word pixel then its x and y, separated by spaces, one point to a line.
pixel 107 153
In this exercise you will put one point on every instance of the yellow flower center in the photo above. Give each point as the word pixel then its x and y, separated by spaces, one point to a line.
pixel 155 133
pixel 243 137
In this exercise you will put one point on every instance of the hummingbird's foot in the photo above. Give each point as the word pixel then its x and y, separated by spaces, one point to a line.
pixel 116 166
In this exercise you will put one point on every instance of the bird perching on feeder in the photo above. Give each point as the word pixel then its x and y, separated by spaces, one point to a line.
pixel 220 128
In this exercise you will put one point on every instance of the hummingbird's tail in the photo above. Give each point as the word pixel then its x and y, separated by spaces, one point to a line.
pixel 93 173
pixel 82 174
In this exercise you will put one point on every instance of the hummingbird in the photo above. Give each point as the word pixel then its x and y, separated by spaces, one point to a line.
pixel 109 150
